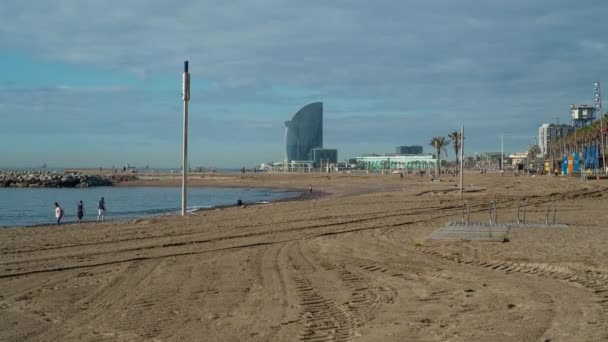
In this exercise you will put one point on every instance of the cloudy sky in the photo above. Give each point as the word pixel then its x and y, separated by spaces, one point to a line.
pixel 90 83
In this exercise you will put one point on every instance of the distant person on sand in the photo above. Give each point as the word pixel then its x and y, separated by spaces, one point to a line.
pixel 80 211
pixel 58 213
pixel 310 188
pixel 101 207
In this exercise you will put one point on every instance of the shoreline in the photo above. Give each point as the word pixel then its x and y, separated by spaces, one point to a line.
pixel 299 195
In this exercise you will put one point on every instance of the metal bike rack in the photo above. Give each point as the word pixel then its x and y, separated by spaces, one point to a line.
pixel 466 204
pixel 493 218
pixel 521 207
pixel 492 230
pixel 551 208
pixel 493 213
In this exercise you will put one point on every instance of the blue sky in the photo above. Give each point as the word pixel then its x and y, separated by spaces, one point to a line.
pixel 85 83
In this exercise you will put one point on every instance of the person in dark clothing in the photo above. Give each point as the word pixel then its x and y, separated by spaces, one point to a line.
pixel 80 211
pixel 101 207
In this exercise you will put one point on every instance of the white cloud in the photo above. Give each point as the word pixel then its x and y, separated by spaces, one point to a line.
pixel 482 61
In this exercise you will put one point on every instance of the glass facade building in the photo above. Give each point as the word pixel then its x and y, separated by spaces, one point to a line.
pixel 326 155
pixel 412 149
pixel 304 132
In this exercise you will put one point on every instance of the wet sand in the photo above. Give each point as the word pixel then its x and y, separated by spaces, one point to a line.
pixel 353 265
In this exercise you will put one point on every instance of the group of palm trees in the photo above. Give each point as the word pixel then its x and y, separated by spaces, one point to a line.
pixel 575 141
pixel 440 143
pixel 579 139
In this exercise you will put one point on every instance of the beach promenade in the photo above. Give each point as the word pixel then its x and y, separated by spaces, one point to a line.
pixel 350 262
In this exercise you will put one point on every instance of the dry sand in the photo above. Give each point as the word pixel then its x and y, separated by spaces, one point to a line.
pixel 354 265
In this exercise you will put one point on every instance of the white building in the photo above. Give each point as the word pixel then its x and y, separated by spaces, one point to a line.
pixel 582 115
pixel 548 133
pixel 518 157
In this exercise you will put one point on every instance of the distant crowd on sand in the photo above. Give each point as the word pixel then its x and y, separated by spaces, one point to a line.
pixel 80 211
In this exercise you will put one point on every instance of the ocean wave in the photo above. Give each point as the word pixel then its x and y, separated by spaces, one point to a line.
pixel 196 208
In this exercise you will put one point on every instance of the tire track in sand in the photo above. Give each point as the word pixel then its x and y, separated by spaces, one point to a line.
pixel 595 282
pixel 363 298
pixel 121 287
pixel 164 296
pixel 323 319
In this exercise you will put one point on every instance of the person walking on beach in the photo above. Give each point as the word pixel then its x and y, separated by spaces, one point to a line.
pixel 80 211
pixel 101 207
pixel 58 213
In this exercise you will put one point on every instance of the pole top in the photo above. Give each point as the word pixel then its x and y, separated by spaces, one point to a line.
pixel 185 66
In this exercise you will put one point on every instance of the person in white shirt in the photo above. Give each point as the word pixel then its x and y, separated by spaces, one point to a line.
pixel 58 213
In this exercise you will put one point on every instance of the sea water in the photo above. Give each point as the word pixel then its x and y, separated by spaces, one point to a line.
pixel 34 206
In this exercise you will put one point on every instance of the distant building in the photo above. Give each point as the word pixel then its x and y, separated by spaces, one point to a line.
pixel 488 160
pixel 582 115
pixel 485 156
pixel 518 158
pixel 411 149
pixel 324 155
pixel 304 132
pixel 395 161
pixel 548 133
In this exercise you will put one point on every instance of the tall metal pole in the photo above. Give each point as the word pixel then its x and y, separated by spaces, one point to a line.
pixel 185 98
pixel 461 162
pixel 598 99
pixel 502 152
pixel 285 160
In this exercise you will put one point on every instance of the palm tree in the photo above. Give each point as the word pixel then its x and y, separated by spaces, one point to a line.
pixel 439 143
pixel 554 154
pixel 455 136
pixel 533 152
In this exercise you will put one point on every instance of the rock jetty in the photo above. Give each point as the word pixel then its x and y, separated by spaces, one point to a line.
pixel 49 179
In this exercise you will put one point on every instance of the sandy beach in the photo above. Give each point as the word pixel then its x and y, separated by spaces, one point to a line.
pixel 352 261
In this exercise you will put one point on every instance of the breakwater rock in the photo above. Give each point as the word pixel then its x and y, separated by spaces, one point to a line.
pixel 48 179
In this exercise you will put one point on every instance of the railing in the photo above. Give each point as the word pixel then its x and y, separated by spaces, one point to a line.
pixel 551 208
pixel 521 207
pixel 466 204
pixel 493 217
pixel 493 213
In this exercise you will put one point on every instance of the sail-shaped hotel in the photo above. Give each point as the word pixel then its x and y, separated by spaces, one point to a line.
pixel 304 132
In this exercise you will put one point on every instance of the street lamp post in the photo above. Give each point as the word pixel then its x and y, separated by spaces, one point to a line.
pixel 185 98
pixel 574 126
pixel 502 152
pixel 598 105
pixel 461 162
